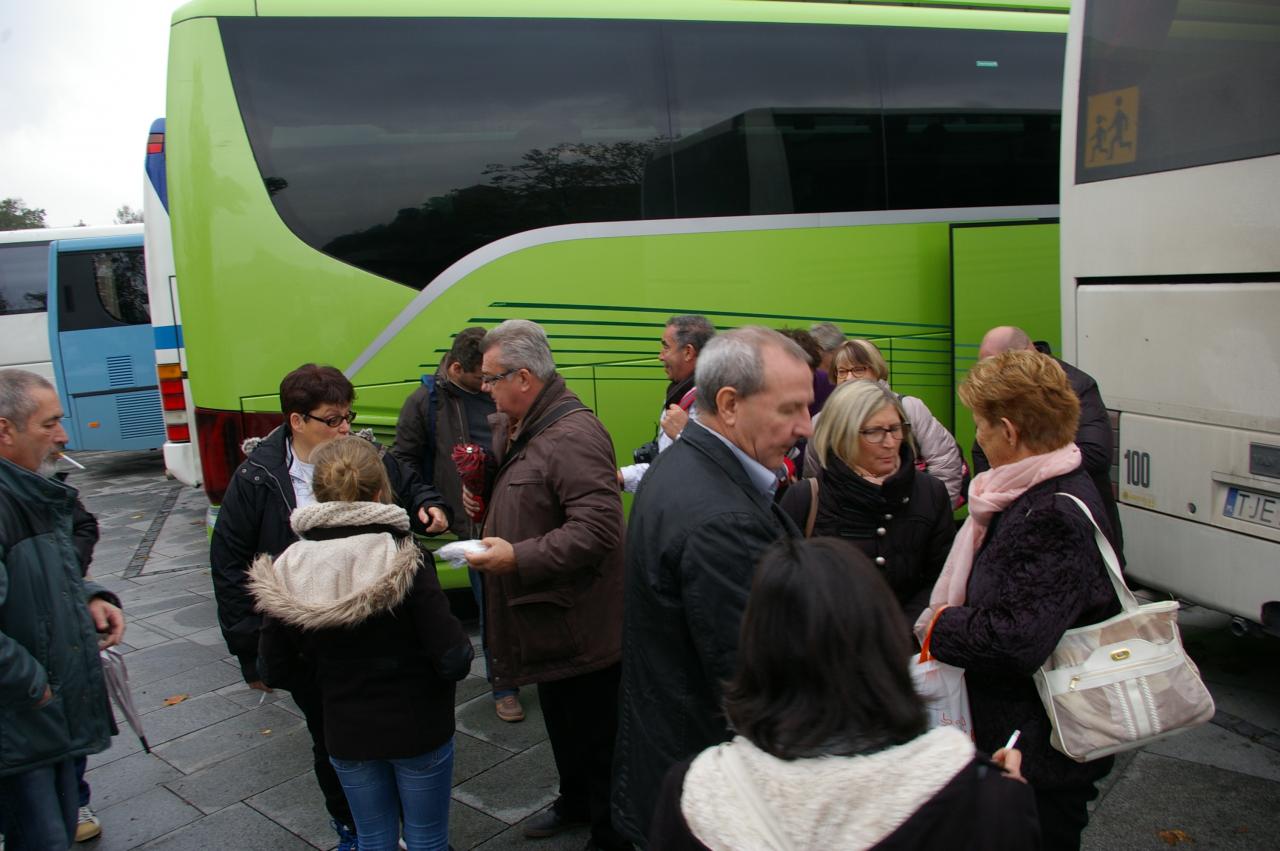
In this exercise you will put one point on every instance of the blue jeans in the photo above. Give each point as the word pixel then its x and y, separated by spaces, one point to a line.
pixel 38 808
pixel 381 790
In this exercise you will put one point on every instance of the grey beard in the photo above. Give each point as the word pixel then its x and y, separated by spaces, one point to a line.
pixel 47 468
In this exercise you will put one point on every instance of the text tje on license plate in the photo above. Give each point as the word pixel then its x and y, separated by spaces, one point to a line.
pixel 1252 507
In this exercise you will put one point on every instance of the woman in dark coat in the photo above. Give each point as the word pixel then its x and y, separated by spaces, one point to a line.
pixel 832 750
pixel 1024 569
pixel 354 598
pixel 871 494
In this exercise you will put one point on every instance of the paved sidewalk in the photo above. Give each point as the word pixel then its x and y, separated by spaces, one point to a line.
pixel 227 772
pixel 224 771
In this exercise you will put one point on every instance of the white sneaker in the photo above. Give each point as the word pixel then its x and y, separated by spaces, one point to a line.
pixel 88 825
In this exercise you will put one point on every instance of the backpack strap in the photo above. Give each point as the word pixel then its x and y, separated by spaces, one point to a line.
pixel 429 453
pixel 813 508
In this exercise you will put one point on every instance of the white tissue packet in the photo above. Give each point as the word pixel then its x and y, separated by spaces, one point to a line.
pixel 456 552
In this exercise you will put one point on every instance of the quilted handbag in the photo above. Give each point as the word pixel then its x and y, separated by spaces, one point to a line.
pixel 1124 682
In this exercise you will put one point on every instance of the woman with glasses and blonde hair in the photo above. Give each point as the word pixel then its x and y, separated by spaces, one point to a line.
pixel 354 599
pixel 936 448
pixel 871 494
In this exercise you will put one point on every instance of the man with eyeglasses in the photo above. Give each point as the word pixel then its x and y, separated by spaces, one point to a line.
pixel 553 570
pixel 254 518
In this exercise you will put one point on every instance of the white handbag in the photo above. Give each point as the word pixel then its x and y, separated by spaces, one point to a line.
pixel 1124 682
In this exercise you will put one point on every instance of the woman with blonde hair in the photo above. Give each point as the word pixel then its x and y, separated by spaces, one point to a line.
pixel 936 448
pixel 354 597
pixel 1024 569
pixel 872 495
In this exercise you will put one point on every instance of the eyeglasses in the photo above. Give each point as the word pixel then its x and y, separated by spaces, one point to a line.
pixel 333 421
pixel 487 380
pixel 878 435
pixel 858 371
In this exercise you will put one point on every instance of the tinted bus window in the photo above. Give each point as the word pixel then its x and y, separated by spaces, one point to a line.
pixel 434 137
pixel 971 117
pixel 1166 86
pixel 773 119
pixel 102 289
pixel 24 278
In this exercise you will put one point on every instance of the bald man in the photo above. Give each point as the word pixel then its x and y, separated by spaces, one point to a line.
pixel 1093 434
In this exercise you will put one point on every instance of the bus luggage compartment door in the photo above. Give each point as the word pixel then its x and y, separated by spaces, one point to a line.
pixel 102 346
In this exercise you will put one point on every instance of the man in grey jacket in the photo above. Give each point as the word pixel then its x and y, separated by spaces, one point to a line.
pixel 52 624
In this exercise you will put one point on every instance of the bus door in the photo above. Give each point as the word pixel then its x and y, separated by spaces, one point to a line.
pixel 102 345
pixel 1002 273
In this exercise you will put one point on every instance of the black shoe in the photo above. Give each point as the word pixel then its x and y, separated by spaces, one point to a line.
pixel 549 823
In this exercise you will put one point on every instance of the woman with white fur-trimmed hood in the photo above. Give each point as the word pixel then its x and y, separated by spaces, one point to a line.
pixel 354 599
pixel 832 749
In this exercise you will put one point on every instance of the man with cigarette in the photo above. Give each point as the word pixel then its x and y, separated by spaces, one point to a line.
pixel 52 623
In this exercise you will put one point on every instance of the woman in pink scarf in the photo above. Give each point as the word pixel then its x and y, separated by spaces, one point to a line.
pixel 1022 571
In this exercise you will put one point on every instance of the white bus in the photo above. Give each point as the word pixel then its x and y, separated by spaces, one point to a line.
pixel 1170 204
pixel 24 293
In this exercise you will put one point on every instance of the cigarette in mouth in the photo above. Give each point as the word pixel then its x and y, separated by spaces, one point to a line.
pixel 73 462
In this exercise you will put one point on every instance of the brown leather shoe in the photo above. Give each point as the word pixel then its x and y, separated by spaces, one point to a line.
pixel 509 709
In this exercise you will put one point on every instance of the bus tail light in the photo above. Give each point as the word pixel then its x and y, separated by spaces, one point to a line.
pixel 173 400
pixel 220 434
pixel 155 143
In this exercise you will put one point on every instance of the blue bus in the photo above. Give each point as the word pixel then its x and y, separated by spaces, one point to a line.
pixel 100 340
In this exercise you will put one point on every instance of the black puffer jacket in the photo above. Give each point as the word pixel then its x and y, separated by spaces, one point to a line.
pixel 904 526
pixel 1038 574
pixel 254 519
pixel 698 527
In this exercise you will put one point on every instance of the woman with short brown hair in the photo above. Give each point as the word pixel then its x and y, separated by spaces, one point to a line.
pixel 1024 569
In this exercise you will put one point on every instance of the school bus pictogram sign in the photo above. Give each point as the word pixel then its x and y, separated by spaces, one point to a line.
pixel 1112 128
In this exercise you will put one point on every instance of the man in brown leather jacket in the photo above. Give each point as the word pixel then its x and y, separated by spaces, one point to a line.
pixel 553 569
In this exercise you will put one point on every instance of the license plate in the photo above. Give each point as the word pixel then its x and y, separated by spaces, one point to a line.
pixel 1260 508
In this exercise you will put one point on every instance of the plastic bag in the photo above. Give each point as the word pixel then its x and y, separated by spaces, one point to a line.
pixel 455 552
pixel 942 687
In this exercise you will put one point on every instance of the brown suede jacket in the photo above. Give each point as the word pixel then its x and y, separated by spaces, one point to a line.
pixel 556 499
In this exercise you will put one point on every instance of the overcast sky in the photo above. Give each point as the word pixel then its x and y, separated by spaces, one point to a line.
pixel 80 83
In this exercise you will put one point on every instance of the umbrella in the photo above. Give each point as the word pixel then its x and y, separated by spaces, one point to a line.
pixel 117 676
pixel 470 460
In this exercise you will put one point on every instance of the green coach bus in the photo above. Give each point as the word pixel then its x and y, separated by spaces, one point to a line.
pixel 353 183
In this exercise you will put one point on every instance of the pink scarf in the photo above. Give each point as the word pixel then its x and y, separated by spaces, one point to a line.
pixel 989 494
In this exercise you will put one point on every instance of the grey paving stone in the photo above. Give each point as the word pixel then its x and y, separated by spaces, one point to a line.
pixel 211 637
pixel 1214 808
pixel 237 826
pixel 469 828
pixel 127 778
pixel 160 661
pixel 515 789
pixel 1212 745
pixel 472 756
pixel 140 635
pixel 188 619
pixel 196 713
pixel 280 759
pixel 143 817
pixel 469 688
pixel 123 745
pixel 146 609
pixel 240 693
pixel 477 718
pixel 193 682
pixel 571 840
pixel 297 805
pixel 225 739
